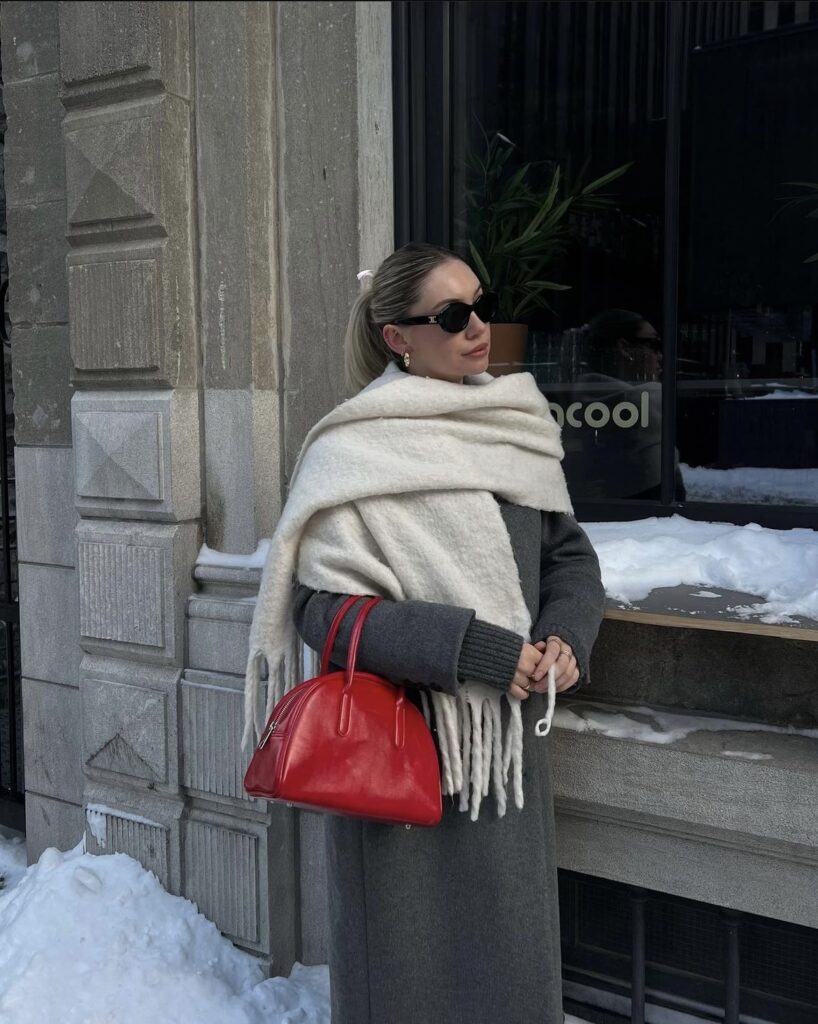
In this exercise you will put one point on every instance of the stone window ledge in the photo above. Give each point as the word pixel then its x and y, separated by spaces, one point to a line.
pixel 738 741
pixel 684 607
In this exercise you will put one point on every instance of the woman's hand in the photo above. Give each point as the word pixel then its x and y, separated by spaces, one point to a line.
pixel 522 683
pixel 556 652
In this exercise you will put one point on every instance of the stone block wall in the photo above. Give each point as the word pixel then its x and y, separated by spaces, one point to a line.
pixel 126 130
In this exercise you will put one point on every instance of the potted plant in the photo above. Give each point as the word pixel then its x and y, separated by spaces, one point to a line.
pixel 516 229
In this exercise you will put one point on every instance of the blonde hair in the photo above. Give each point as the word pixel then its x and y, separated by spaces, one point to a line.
pixel 394 287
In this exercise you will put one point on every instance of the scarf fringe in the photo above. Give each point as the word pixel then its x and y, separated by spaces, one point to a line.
pixel 285 669
pixel 475 756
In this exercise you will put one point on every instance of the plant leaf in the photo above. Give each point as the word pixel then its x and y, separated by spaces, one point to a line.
pixel 599 183
pixel 481 266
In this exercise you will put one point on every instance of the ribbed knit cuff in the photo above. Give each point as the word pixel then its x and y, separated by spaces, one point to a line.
pixel 489 654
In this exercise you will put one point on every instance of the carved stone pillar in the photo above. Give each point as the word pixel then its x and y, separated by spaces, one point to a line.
pixel 125 87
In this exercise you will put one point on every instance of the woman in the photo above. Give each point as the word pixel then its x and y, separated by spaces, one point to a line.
pixel 439 488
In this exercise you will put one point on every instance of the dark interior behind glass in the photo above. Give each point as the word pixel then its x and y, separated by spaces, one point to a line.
pixel 696 258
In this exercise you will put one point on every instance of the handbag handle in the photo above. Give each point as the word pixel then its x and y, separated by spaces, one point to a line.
pixel 333 631
pixel 346 700
pixel 355 639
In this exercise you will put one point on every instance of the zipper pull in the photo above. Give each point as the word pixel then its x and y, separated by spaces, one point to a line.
pixel 268 732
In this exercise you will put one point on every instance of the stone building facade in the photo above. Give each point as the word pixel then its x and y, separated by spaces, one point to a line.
pixel 191 189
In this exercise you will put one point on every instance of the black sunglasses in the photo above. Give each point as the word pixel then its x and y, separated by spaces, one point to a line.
pixel 455 317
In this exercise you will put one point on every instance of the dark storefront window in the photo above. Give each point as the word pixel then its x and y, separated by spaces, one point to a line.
pixel 673 328
pixel 748 338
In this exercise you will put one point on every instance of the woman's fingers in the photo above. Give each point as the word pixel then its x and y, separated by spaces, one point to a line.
pixel 569 676
pixel 520 687
pixel 553 651
pixel 558 653
pixel 550 653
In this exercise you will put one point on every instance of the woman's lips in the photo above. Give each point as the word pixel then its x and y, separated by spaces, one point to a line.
pixel 477 353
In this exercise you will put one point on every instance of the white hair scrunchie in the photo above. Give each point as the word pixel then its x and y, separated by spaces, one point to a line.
pixel 364 275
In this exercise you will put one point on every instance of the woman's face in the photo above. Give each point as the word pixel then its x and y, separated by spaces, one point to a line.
pixel 640 357
pixel 432 351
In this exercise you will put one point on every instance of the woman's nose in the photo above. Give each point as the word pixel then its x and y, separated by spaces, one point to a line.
pixel 475 324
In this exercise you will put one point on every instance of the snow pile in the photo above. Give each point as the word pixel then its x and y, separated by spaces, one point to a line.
pixel 780 566
pixel 97 940
pixel 751 485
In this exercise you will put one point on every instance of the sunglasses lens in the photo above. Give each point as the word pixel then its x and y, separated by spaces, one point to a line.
pixel 486 307
pixel 455 317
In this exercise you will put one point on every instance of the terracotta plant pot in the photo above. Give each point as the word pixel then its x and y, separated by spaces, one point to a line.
pixel 508 348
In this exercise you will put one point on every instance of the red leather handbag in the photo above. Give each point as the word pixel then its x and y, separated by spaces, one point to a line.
pixel 349 743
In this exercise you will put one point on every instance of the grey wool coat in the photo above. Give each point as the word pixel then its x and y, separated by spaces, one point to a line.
pixel 458 924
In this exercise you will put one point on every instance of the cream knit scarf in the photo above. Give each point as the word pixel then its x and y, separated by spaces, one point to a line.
pixel 392 495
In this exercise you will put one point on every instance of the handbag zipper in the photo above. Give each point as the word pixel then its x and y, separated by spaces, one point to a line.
pixel 268 732
pixel 285 705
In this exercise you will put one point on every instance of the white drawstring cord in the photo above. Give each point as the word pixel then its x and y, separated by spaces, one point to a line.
pixel 543 726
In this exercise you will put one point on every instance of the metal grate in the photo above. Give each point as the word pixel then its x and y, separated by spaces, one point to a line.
pixel 604 918
pixel 678 934
pixel 781 962
pixel 641 946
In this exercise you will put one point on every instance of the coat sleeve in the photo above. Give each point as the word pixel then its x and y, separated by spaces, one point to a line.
pixel 415 643
pixel 572 598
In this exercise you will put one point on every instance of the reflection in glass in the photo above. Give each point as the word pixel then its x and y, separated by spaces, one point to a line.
pixel 748 348
pixel 584 89
pixel 607 396
pixel 564 107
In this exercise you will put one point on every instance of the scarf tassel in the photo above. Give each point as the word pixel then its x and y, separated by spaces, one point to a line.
pixel 284 670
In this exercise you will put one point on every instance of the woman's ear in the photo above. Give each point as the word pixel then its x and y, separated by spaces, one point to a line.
pixel 394 338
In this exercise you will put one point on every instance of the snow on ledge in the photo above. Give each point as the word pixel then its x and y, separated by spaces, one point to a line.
pixel 12 859
pixel 226 560
pixel 779 394
pixel 780 566
pixel 650 725
pixel 95 815
pixel 751 484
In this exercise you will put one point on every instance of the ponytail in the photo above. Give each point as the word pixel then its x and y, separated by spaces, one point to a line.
pixel 365 351
pixel 386 297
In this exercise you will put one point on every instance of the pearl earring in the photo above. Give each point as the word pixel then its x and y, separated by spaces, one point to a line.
pixel 406 360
